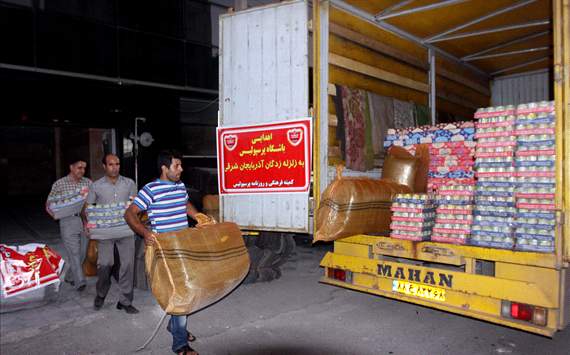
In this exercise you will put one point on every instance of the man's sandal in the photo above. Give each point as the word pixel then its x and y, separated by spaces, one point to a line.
pixel 191 337
pixel 187 350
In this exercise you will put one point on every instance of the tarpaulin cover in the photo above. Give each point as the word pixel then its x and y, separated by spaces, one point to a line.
pixel 352 206
pixel 195 267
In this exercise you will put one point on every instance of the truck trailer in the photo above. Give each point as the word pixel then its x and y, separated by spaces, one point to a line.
pixel 282 61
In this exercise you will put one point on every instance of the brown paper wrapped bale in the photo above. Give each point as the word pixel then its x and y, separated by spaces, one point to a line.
pixel 193 268
pixel 422 166
pixel 422 156
pixel 90 262
pixel 211 205
pixel 352 206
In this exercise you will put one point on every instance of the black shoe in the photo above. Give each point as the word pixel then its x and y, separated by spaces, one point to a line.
pixel 186 349
pixel 81 288
pixel 98 303
pixel 129 309
pixel 71 282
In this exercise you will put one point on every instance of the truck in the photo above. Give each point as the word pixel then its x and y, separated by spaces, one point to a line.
pixel 282 62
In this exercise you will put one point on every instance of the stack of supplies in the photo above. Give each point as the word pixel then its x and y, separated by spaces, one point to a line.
pixel 68 204
pixel 454 214
pixel 452 148
pixel 495 191
pixel 535 164
pixel 440 133
pixel 451 163
pixel 106 221
pixel 413 217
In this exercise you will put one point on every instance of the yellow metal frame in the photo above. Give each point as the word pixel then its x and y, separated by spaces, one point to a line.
pixel 457 307
pixel 471 294
pixel 562 98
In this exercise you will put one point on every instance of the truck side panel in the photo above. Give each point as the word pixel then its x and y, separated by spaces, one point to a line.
pixel 264 78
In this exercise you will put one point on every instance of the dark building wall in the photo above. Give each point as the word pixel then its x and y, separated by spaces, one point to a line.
pixel 162 42
pixel 167 41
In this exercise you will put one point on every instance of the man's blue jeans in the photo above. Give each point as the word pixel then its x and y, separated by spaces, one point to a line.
pixel 177 327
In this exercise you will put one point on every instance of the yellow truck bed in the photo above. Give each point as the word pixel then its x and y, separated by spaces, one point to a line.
pixel 467 280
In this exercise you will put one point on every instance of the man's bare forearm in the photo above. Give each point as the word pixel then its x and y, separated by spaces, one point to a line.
pixel 83 214
pixel 191 210
pixel 133 221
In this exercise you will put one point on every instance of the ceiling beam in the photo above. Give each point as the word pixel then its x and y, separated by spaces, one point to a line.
pixel 355 11
pixel 115 80
pixel 481 19
pixel 521 65
pixel 419 9
pixel 506 44
pixel 394 7
pixel 503 54
pixel 492 30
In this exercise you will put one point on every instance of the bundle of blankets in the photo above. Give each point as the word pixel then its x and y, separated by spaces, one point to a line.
pixel 364 119
pixel 195 267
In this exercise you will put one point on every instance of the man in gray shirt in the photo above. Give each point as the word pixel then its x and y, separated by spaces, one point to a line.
pixel 70 226
pixel 113 188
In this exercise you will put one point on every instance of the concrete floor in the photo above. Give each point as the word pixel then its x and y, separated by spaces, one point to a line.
pixel 292 315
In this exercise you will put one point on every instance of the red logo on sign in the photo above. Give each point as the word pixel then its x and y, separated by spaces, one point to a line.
pixel 295 136
pixel 230 141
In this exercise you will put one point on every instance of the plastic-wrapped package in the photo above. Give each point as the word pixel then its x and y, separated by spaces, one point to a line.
pixel 29 276
pixel 535 243
pixel 495 190
pixel 535 171
pixel 195 267
pixel 412 226
pixel 106 221
pixel 68 204
pixel 454 214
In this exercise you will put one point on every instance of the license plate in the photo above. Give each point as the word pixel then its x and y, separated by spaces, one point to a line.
pixel 417 290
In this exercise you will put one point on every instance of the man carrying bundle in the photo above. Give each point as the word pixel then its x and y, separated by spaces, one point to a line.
pixel 166 202
pixel 70 226
pixel 113 188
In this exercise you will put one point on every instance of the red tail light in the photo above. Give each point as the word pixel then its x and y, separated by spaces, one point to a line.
pixel 525 312
pixel 521 311
pixel 337 274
